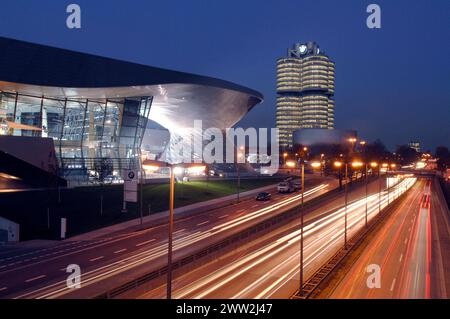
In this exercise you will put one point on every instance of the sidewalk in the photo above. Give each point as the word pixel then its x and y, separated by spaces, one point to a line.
pixel 162 217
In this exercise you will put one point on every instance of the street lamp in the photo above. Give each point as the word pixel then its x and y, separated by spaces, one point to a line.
pixel 284 157
pixel 290 164
pixel 302 172
pixel 352 140
pixel 373 165
pixel 354 164
pixel 392 166
pixel 174 169
pixel 339 165
pixel 240 155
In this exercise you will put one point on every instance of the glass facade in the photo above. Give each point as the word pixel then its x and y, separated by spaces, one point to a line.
pixel 305 90
pixel 94 138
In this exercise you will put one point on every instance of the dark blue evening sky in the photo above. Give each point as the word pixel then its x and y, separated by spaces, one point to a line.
pixel 392 83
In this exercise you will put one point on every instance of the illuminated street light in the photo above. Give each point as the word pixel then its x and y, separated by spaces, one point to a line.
pixel 302 173
pixel 373 164
pixel 339 165
pixel 316 164
pixel 239 155
pixel 357 164
pixel 178 170
pixel 290 164
pixel 173 170
pixel 284 157
pixel 150 168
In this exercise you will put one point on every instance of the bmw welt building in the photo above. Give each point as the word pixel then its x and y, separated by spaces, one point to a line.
pixel 65 113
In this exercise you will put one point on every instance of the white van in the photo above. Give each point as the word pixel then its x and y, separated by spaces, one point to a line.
pixel 285 187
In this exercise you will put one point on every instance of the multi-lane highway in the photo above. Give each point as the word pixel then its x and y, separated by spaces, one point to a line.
pixel 268 267
pixel 411 249
pixel 110 260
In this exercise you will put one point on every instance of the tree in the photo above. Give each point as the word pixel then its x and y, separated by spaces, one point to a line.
pixel 406 155
pixel 376 151
pixel 443 157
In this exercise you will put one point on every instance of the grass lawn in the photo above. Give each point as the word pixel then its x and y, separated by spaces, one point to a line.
pixel 82 206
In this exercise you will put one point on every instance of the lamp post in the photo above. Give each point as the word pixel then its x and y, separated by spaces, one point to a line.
pixel 170 239
pixel 301 225
pixel 154 166
pixel 358 164
pixel 386 166
pixel 239 155
pixel 302 174
pixel 339 165
pixel 352 140
pixel 391 167
pixel 367 184
pixel 372 165
pixel 346 203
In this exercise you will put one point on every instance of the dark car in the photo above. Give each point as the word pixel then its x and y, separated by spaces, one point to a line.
pixel 263 196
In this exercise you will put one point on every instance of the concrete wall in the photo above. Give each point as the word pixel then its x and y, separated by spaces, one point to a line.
pixel 11 228
pixel 37 151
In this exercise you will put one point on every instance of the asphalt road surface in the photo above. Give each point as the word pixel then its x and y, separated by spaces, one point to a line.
pixel 268 267
pixel 108 261
pixel 411 250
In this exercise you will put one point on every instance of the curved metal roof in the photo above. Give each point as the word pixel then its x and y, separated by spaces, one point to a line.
pixel 40 65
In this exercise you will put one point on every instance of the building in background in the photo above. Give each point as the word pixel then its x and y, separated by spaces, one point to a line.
pixel 83 117
pixel 309 137
pixel 305 90
pixel 415 146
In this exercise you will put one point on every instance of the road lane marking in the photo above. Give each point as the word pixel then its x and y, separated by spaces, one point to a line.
pixel 145 242
pixel 406 241
pixel 120 251
pixel 223 216
pixel 254 206
pixel 393 284
pixel 35 278
pixel 204 223
pixel 98 276
pixel 97 258
pixel 3 288
pixel 401 257
pixel 178 231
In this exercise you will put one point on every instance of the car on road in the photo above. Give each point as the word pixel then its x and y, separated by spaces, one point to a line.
pixel 285 187
pixel 263 196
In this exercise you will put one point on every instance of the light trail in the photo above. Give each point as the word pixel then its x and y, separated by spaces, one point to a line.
pixel 322 239
pixel 60 288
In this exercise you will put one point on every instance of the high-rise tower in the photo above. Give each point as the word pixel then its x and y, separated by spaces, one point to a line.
pixel 305 90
